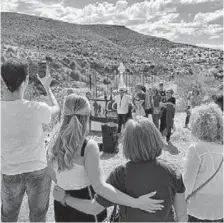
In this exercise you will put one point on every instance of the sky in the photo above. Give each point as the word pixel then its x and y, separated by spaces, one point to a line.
pixel 197 22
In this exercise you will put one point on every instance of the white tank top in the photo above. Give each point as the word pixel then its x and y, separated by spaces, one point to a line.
pixel 74 179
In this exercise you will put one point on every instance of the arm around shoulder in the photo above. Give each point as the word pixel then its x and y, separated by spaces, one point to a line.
pixel 95 174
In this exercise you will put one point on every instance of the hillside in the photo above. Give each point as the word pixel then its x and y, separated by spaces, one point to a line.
pixel 76 51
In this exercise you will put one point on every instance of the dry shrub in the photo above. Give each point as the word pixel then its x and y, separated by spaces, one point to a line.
pixel 75 75
pixel 206 83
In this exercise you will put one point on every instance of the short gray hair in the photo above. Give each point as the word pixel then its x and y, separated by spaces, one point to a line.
pixel 142 141
pixel 207 123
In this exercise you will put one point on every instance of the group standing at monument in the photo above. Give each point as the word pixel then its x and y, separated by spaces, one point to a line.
pixel 146 188
pixel 158 103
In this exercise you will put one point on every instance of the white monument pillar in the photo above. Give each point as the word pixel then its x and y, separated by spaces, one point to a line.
pixel 121 69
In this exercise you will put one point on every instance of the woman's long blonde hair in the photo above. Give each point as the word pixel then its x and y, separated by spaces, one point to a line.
pixel 72 133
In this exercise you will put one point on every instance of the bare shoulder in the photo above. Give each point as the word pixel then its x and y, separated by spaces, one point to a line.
pixel 92 145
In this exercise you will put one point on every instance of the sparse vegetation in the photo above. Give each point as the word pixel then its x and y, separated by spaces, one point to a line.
pixel 74 52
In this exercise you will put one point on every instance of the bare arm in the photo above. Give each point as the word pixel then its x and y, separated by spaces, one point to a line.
pixel 86 206
pixel 83 205
pixel 51 172
pixel 46 81
pixel 180 208
pixel 55 109
pixel 191 170
pixel 95 174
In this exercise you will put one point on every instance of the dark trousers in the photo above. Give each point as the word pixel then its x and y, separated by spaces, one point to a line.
pixel 148 112
pixel 168 133
pixel 162 120
pixel 121 118
pixel 193 219
pixel 187 118
pixel 166 122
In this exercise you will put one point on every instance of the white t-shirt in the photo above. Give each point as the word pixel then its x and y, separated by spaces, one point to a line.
pixel 122 103
pixel 22 136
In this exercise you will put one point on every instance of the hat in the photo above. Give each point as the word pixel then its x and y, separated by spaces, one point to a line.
pixel 121 89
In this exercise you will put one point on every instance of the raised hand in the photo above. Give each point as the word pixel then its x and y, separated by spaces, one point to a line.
pixel 46 81
pixel 146 203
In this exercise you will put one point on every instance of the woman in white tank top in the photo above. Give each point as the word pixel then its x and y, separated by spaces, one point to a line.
pixel 76 163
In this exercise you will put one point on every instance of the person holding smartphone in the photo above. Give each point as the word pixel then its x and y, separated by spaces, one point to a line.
pixel 23 157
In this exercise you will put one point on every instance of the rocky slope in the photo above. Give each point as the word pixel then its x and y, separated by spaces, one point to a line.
pixel 75 52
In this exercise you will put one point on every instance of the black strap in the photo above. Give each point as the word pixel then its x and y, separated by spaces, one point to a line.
pixel 121 100
pixel 190 195
pixel 83 147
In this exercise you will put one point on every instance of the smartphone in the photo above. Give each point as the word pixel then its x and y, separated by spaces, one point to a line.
pixel 42 67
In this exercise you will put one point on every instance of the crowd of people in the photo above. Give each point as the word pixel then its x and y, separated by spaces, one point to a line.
pixel 146 188
pixel 158 103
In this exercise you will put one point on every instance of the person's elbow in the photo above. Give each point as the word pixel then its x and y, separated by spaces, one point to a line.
pixel 98 187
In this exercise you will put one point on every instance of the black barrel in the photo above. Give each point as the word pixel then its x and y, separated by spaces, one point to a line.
pixel 110 138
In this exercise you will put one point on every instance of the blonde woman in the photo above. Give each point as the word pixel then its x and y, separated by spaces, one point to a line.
pixel 76 163
pixel 203 175
pixel 145 172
